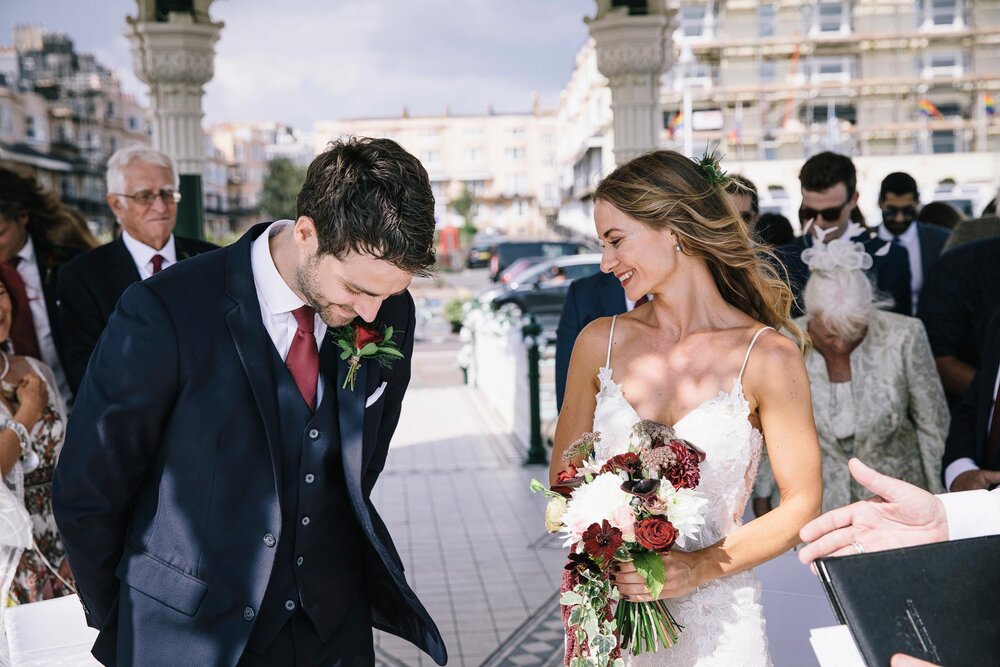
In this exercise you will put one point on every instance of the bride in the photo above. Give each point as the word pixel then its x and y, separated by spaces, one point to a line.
pixel 704 356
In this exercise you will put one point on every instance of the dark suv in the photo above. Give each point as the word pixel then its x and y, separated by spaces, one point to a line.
pixel 507 251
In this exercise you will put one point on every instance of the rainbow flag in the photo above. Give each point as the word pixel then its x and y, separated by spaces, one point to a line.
pixel 927 109
pixel 676 123
pixel 990 104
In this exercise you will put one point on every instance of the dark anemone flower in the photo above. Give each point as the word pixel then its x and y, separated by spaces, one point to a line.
pixel 602 541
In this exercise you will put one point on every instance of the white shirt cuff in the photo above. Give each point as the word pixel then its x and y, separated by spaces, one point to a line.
pixel 971 513
pixel 956 468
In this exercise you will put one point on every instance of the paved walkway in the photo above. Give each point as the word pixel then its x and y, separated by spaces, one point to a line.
pixel 455 497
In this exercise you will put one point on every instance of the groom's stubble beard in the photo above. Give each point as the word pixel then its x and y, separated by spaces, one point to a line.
pixel 308 284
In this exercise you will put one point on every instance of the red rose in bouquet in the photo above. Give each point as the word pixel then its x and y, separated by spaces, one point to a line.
pixel 656 534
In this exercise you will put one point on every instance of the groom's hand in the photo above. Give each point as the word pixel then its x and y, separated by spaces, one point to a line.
pixel 901 515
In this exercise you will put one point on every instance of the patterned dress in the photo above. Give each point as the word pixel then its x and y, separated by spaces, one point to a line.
pixel 33 581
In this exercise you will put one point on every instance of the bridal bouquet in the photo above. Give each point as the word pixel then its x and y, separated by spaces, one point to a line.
pixel 634 507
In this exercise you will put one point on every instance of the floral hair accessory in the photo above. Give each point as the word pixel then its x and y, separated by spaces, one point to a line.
pixel 358 341
pixel 709 167
pixel 840 254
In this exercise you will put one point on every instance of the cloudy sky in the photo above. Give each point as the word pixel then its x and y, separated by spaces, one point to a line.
pixel 307 60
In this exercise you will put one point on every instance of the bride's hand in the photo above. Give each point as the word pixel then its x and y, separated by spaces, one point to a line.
pixel 680 578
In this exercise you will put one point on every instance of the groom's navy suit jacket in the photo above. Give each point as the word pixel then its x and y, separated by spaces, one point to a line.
pixel 168 489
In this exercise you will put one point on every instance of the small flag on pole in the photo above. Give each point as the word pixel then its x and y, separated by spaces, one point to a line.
pixel 989 104
pixel 676 123
pixel 928 110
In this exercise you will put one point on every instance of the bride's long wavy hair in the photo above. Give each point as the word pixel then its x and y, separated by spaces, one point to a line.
pixel 667 191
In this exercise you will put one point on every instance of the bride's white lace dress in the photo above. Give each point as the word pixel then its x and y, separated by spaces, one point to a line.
pixel 723 620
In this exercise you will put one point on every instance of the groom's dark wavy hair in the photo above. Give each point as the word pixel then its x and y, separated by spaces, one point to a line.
pixel 371 196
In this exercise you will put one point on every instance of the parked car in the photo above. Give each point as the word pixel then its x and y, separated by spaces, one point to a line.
pixel 506 252
pixel 479 255
pixel 542 289
pixel 519 266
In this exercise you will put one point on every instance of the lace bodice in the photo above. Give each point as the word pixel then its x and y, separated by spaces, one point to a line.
pixel 723 619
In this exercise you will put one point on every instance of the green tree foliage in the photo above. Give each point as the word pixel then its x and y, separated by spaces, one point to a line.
pixel 281 185
pixel 465 206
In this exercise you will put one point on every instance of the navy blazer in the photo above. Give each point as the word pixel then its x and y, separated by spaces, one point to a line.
pixel 89 286
pixel 599 295
pixel 932 240
pixel 891 271
pixel 969 419
pixel 170 477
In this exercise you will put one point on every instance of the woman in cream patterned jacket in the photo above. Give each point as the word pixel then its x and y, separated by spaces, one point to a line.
pixel 876 393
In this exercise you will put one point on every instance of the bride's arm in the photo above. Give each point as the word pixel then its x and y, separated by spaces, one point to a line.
pixel 776 377
pixel 577 414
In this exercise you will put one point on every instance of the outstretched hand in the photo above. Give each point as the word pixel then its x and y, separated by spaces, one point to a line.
pixel 900 515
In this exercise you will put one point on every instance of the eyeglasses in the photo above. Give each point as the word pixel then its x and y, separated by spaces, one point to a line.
pixel 831 214
pixel 889 213
pixel 147 197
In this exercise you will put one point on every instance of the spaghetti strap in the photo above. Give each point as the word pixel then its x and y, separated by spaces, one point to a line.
pixel 752 341
pixel 611 337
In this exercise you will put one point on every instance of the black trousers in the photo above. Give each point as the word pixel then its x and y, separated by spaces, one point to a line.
pixel 298 644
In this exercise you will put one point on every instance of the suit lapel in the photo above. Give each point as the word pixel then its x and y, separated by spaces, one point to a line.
pixel 251 340
pixel 612 296
pixel 122 269
pixel 351 419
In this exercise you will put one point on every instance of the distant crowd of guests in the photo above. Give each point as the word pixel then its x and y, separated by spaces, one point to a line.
pixel 904 322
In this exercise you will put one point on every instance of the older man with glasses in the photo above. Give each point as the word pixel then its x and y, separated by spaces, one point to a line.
pixel 829 195
pixel 143 195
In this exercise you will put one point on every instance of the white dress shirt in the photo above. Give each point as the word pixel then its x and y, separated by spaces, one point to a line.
pixel 277 300
pixel 630 304
pixel 972 513
pixel 965 464
pixel 142 254
pixel 28 269
pixel 910 240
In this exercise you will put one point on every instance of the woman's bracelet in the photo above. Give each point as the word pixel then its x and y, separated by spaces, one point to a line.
pixel 29 459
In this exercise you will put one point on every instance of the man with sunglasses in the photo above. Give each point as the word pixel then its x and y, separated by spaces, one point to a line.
pixel 143 194
pixel 899 198
pixel 829 196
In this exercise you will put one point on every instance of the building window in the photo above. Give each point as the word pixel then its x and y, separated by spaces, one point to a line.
pixel 430 156
pixel 830 68
pixel 820 113
pixel 6 121
pixel 517 184
pixel 695 22
pixel 29 127
pixel 830 17
pixel 515 154
pixel 941 65
pixel 768 71
pixel 473 155
pixel 766 19
pixel 940 14
pixel 520 208
pixel 476 188
pixel 517 133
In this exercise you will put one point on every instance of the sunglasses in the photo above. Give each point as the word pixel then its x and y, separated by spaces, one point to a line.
pixel 889 213
pixel 831 214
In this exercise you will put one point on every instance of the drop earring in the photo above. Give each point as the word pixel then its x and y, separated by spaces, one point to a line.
pixel 677 247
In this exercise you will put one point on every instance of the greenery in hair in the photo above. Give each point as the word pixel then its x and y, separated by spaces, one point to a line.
pixel 709 167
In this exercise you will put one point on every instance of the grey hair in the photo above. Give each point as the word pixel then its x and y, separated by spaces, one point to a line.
pixel 123 157
pixel 843 300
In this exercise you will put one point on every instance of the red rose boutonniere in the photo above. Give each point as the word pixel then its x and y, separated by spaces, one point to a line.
pixel 358 341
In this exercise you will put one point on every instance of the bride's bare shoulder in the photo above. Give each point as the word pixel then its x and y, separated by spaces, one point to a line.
pixel 774 361
pixel 595 336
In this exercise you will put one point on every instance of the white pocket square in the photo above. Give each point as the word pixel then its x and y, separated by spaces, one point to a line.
pixel 377 394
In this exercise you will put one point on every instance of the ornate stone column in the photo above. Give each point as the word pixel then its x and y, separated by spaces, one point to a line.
pixel 173 51
pixel 633 49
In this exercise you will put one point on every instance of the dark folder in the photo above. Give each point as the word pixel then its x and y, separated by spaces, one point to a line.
pixel 939 602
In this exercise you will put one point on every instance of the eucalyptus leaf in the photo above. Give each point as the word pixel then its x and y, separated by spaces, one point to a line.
pixel 387 334
pixel 392 352
pixel 650 566
pixel 346 354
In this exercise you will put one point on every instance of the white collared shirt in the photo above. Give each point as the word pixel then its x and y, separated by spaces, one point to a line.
pixel 277 300
pixel 142 254
pixel 28 269
pixel 910 240
pixel 965 464
pixel 630 304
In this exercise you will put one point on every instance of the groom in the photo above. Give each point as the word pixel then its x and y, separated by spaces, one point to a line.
pixel 213 490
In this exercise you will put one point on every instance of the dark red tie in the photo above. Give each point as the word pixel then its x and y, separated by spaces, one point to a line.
pixel 641 300
pixel 303 356
pixel 22 327
pixel 157 264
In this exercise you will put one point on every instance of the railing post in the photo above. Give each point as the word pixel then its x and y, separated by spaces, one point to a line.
pixel 536 451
